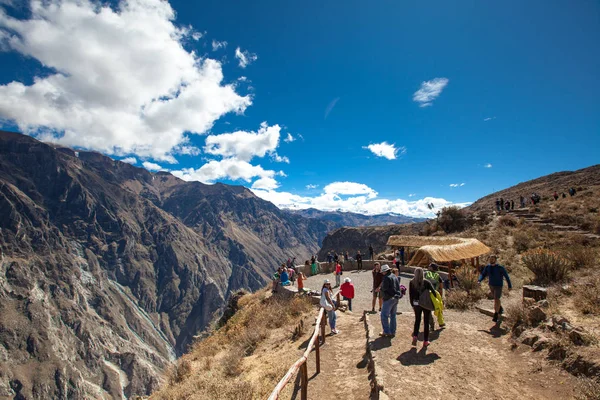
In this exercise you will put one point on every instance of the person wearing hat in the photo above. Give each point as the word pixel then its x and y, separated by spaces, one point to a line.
pixel 329 305
pixel 390 292
pixel 347 290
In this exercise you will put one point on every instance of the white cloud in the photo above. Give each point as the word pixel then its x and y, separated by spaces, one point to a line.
pixel 311 186
pixel 216 45
pixel 349 188
pixel 383 149
pixel 289 138
pixel 228 168
pixel 488 165
pixel 197 35
pixel 360 204
pixel 412 195
pixel 128 160
pixel 265 184
pixel 152 166
pixel 330 106
pixel 121 81
pixel 244 145
pixel 429 91
pixel 455 185
pixel 489 119
pixel 245 58
pixel 277 158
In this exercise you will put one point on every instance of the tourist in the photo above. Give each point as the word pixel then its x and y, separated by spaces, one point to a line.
pixel 276 280
pixel 397 259
pixel 433 276
pixel 371 252
pixel 377 279
pixel 358 261
pixel 522 201
pixel 402 255
pixel 338 273
pixel 507 205
pixel 329 258
pixel 564 196
pixel 555 196
pixel 512 204
pixel 420 300
pixel 313 265
pixel 284 276
pixel 329 305
pixel 390 291
pixel 301 278
pixel 346 257
pixel 497 274
pixel 347 291
pixel 292 274
pixel 497 204
pixel 501 203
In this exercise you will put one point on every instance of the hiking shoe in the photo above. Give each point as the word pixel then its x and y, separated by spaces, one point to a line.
pixel 495 319
pixel 383 334
pixel 501 311
pixel 442 326
pixel 414 342
pixel 335 331
pixel 427 343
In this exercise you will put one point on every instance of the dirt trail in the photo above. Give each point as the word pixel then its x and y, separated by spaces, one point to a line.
pixel 469 359
pixel 344 373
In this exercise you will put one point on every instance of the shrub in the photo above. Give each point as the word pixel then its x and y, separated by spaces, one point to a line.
pixel 547 266
pixel 516 315
pixel 180 371
pixel 587 297
pixel 521 241
pixel 452 219
pixel 581 256
pixel 458 299
pixel 467 278
pixel 508 220
pixel 232 361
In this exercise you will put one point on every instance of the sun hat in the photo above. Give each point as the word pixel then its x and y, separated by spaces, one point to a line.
pixel 326 281
pixel 434 266
pixel 347 280
pixel 385 268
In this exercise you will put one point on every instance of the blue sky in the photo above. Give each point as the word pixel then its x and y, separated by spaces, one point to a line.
pixel 517 87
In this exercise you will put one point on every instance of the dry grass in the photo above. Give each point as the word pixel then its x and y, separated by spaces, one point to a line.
pixel 469 291
pixel 547 266
pixel 588 389
pixel 245 358
pixel 508 220
pixel 516 315
pixel 581 256
pixel 587 296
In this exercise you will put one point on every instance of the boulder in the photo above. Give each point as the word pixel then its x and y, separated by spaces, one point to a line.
pixel 580 337
pixel 528 301
pixel 537 292
pixel 541 344
pixel 543 303
pixel 537 315
pixel 529 338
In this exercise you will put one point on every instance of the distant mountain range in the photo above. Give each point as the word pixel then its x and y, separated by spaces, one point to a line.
pixel 349 219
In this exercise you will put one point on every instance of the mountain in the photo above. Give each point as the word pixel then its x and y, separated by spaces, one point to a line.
pixel 107 271
pixel 545 186
pixel 350 219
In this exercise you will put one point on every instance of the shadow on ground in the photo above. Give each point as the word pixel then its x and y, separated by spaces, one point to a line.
pixel 412 357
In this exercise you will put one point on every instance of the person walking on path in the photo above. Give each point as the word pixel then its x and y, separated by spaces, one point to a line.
pixel 377 280
pixel 338 273
pixel 433 276
pixel 358 261
pixel 419 292
pixel 497 274
pixel 329 305
pixel 390 291
pixel 371 252
pixel 347 290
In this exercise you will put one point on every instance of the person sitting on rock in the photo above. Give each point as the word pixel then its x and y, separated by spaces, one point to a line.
pixel 284 277
pixel 497 274
pixel 347 291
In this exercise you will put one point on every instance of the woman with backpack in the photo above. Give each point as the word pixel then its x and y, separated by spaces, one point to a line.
pixel 420 300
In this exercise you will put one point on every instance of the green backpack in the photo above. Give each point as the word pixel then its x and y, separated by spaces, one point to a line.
pixel 434 278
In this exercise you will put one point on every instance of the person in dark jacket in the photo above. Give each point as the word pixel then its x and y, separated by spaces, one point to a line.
pixel 358 261
pixel 390 291
pixel 497 274
pixel 371 252
pixel 417 286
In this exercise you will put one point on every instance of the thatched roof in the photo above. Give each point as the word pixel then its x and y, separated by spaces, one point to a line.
pixel 439 249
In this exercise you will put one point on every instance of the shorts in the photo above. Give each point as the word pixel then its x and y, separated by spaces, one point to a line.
pixel 376 294
pixel 496 292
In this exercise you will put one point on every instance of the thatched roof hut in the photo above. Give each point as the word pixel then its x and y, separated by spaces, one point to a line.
pixel 439 248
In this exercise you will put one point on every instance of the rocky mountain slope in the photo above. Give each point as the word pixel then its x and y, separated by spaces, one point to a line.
pixel 350 219
pixel 107 271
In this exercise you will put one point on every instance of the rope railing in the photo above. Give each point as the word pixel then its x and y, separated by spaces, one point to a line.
pixel 317 340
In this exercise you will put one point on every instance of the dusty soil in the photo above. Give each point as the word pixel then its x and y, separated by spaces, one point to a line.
pixel 471 358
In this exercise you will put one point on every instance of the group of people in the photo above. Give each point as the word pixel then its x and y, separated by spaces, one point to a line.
pixel 333 257
pixel 425 290
pixel 506 205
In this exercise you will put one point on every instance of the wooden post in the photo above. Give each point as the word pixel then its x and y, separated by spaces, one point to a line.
pixel 304 388
pixel 318 354
pixel 451 274
pixel 323 323
pixel 337 299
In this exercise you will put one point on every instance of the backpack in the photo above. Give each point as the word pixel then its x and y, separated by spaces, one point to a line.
pixel 433 277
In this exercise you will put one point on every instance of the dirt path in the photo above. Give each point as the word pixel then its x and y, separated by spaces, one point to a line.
pixel 466 360
pixel 344 373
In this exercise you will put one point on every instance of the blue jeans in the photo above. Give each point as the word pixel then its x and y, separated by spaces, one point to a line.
pixel 331 316
pixel 349 303
pixel 388 316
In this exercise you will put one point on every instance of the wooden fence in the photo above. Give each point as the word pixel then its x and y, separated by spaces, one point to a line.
pixel 316 341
